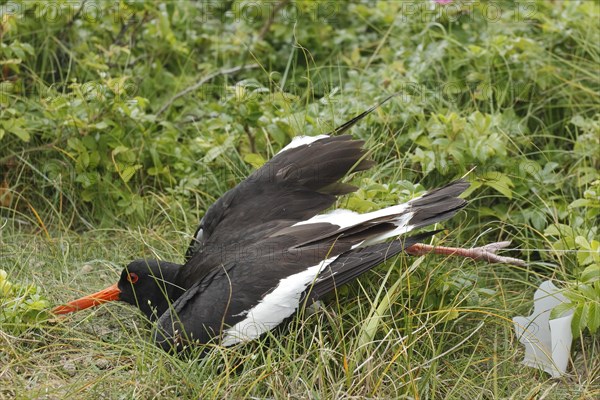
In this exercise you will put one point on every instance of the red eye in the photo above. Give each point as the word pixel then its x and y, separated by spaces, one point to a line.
pixel 132 277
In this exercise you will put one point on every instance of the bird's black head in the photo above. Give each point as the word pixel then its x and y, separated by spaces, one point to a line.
pixel 150 286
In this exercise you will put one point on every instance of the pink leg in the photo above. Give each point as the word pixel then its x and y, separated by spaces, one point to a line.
pixel 485 253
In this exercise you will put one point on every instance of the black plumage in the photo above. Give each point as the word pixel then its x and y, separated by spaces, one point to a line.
pixel 263 247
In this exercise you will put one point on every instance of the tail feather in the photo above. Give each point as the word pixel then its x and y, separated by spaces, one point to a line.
pixel 439 204
pixel 452 189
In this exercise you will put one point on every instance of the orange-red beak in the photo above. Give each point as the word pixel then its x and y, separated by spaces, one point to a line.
pixel 109 294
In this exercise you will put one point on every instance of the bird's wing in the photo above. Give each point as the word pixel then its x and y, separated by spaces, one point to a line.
pixel 253 290
pixel 296 184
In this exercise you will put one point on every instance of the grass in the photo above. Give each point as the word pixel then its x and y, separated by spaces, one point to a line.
pixel 375 339
pixel 414 328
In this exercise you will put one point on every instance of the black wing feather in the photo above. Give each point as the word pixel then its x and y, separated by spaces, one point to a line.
pixel 309 172
pixel 354 263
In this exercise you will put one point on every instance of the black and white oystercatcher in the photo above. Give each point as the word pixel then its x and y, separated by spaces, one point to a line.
pixel 265 248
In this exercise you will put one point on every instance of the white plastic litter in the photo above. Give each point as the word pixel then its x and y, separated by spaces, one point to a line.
pixel 547 341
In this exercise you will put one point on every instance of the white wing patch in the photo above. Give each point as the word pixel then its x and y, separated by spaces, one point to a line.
pixel 276 306
pixel 346 218
pixel 403 227
pixel 302 140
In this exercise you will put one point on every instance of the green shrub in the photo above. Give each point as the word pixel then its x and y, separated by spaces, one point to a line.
pixel 22 307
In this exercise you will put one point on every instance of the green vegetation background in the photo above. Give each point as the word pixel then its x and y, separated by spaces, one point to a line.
pixel 120 123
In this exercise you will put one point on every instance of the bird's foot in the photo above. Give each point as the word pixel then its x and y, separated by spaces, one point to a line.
pixel 485 253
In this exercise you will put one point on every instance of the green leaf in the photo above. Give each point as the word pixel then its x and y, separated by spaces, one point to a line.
pixel 127 172
pixel 473 187
pixel 576 323
pixel 83 161
pixel 87 179
pixel 591 274
pixel 589 292
pixel 561 309
pixel 499 182
pixel 585 314
pixel 27 48
pixel 101 125
pixel 580 203
pixel 216 151
pixel 593 317
pixel 76 144
pixel 558 230
pixel 20 132
pixel 88 195
pixel 38 304
pixel 117 85
pixel 119 150
pixel 254 159
pixel 582 242
pixel 355 203
pixel 449 315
